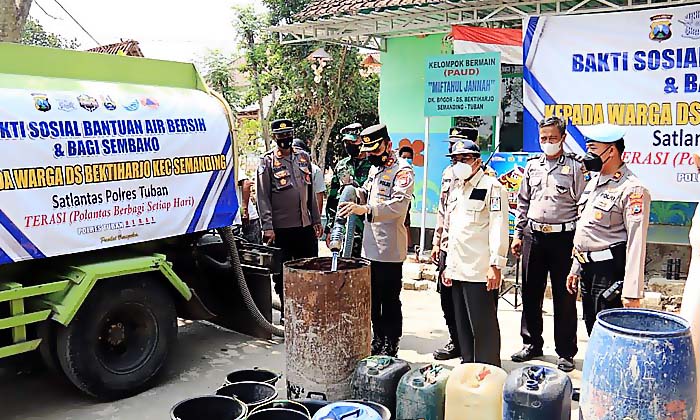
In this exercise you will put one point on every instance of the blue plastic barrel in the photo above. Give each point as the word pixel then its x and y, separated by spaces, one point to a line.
pixel 639 365
pixel 537 392
pixel 346 411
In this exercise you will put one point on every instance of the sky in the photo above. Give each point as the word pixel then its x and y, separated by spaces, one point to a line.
pixel 177 30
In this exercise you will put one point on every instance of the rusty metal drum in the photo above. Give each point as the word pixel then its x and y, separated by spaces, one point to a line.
pixel 327 325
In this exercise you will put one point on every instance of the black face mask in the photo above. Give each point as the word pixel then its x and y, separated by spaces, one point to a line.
pixel 593 162
pixel 379 160
pixel 284 143
pixel 352 149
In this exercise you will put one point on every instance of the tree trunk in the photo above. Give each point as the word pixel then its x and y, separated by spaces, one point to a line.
pixel 258 91
pixel 13 15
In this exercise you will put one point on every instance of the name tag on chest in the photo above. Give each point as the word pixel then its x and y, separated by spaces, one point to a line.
pixel 606 200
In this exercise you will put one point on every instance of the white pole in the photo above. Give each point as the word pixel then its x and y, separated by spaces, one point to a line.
pixel 497 133
pixel 424 209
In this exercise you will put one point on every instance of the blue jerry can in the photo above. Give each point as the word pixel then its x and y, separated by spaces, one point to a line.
pixel 346 411
pixel 537 392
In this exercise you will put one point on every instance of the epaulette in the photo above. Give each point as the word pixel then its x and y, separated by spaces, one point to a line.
pixel 574 156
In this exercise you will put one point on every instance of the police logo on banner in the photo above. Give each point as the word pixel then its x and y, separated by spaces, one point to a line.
pixel 41 102
pixel 660 27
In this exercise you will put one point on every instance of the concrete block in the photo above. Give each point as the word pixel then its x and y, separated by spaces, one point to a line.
pixel 409 284
pixel 423 285
pixel 652 300
pixel 411 271
pixel 429 273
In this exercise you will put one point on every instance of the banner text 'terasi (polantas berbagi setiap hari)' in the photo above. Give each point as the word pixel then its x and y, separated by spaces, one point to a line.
pixel 638 69
pixel 109 164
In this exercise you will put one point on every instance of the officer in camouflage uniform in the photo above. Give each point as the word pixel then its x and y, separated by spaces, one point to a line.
pixel 352 170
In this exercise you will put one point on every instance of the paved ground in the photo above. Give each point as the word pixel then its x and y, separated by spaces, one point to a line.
pixel 206 353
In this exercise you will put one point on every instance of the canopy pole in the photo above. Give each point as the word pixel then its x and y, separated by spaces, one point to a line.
pixel 424 207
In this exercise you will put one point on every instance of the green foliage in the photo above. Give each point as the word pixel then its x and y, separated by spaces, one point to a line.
pixel 249 133
pixel 218 73
pixel 319 106
pixel 35 34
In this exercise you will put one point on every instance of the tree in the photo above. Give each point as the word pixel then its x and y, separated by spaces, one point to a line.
pixel 252 40
pixel 218 70
pixel 13 15
pixel 35 34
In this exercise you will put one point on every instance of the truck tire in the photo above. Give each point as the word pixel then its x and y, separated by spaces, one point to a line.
pixel 47 349
pixel 120 338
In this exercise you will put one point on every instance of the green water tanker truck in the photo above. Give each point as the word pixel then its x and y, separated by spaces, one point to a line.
pixel 117 193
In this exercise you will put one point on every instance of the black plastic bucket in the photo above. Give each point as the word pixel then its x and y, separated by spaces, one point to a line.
pixel 277 414
pixel 251 394
pixel 285 404
pixel 253 375
pixel 314 404
pixel 379 408
pixel 210 407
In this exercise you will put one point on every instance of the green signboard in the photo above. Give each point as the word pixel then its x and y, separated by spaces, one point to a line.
pixel 463 85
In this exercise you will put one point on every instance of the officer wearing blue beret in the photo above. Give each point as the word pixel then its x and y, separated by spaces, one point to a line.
pixel 611 235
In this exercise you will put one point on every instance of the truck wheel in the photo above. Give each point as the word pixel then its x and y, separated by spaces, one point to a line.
pixel 47 349
pixel 120 338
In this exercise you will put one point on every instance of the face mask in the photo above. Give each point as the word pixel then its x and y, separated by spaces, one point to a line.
pixel 285 143
pixel 462 170
pixel 353 150
pixel 593 162
pixel 410 161
pixel 378 160
pixel 551 149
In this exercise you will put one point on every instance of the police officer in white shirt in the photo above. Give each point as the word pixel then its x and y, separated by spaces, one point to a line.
pixel 477 250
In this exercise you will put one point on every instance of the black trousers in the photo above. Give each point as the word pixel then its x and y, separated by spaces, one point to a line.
pixel 596 278
pixel 387 319
pixel 548 254
pixel 446 301
pixel 477 323
pixel 296 243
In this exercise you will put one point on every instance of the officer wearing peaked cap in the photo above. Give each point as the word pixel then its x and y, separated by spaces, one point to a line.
pixel 544 235
pixel 439 253
pixel 477 217
pixel 384 200
pixel 288 209
pixel 352 170
pixel 610 239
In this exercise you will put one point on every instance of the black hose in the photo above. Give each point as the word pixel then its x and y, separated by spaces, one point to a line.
pixel 227 236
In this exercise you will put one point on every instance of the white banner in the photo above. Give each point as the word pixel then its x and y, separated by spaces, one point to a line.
pixel 639 69
pixel 88 165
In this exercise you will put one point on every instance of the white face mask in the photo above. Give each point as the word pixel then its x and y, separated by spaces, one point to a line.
pixel 462 170
pixel 551 149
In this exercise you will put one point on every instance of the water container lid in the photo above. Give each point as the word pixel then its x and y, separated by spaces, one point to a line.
pixel 379 362
pixel 346 411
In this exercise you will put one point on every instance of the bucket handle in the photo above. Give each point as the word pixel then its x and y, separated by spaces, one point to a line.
pixel 271 404
pixel 311 394
pixel 355 413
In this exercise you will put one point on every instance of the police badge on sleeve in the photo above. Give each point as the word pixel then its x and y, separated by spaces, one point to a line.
pixel 495 203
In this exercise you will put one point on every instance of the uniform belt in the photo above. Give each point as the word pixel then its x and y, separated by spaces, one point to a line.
pixel 586 257
pixel 556 228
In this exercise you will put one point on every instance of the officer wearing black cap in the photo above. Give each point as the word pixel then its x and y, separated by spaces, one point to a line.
pixel 384 200
pixel 439 253
pixel 611 234
pixel 289 212
pixel 352 170
pixel 477 218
